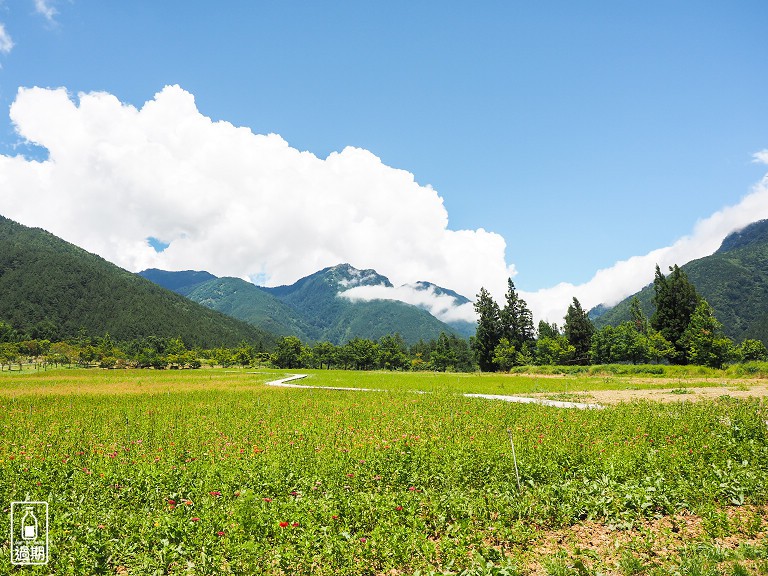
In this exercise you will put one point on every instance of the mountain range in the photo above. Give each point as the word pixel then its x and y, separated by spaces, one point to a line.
pixel 314 308
pixel 52 289
pixel 734 280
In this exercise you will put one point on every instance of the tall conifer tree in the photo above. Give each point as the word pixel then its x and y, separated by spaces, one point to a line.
pixel 489 331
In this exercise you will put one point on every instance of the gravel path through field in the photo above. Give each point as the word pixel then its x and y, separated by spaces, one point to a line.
pixel 287 383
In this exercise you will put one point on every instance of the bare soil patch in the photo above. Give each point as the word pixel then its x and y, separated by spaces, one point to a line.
pixel 672 390
pixel 659 543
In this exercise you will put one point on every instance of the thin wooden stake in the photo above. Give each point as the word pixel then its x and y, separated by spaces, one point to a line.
pixel 514 458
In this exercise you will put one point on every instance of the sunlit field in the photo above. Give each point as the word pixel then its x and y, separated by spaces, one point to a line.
pixel 212 471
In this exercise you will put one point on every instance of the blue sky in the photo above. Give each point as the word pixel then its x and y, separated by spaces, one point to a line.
pixel 582 133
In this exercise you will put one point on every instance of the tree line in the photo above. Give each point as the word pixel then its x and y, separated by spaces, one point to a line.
pixel 682 330
pixel 445 353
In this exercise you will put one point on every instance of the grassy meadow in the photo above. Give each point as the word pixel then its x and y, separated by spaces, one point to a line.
pixel 212 472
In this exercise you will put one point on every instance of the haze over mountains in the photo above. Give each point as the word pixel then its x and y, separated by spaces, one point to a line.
pixel 317 307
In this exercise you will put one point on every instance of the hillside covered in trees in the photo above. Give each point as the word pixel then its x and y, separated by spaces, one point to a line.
pixel 734 280
pixel 51 289
pixel 311 308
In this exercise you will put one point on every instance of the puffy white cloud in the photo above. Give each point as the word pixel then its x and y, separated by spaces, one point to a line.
pixel 6 43
pixel 248 205
pixel 227 200
pixel 611 285
pixel 761 157
pixel 441 306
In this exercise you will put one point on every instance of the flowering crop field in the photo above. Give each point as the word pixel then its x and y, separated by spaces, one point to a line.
pixel 212 472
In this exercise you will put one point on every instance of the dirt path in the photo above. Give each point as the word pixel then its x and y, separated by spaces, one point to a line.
pixel 287 383
pixel 678 393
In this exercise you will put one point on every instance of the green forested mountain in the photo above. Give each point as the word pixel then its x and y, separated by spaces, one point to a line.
pixel 245 301
pixel 52 289
pixel 463 327
pixel 180 282
pixel 734 280
pixel 311 308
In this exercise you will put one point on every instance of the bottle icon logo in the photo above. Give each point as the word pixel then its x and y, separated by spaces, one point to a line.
pixel 29 533
pixel 29 524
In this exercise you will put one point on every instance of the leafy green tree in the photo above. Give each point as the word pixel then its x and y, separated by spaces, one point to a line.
pixel 548 330
pixel 9 354
pixel 578 331
pixel 676 299
pixel 442 358
pixel 489 330
pixel 659 348
pixel 7 333
pixel 243 354
pixel 288 352
pixel 553 351
pixel 393 353
pixel 363 353
pixel 505 355
pixel 753 351
pixel 324 354
pixel 703 339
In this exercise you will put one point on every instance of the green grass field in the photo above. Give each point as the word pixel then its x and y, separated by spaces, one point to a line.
pixel 211 472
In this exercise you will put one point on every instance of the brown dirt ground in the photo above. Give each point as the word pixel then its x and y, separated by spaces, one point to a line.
pixel 660 543
pixel 673 390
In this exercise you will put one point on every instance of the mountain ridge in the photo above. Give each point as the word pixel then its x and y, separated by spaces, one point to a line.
pixel 733 279
pixel 50 288
pixel 312 309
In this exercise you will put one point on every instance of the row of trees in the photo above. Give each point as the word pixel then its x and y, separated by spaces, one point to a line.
pixel 446 353
pixel 150 352
pixel 682 330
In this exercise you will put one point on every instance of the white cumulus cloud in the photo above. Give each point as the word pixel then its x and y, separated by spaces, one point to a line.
pixel 241 204
pixel 227 200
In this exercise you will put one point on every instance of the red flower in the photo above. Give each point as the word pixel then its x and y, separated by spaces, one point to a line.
pixel 215 493
pixel 335 517
pixel 295 524
pixel 398 508
pixel 363 540
pixel 283 524
pixel 267 499
pixel 220 533
pixel 195 519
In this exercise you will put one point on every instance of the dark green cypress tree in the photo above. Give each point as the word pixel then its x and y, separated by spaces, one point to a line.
pixel 488 330
pixel 516 319
pixel 675 300
pixel 578 331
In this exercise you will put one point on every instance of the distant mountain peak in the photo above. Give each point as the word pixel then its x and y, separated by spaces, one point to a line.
pixel 346 276
pixel 754 233
pixel 421 285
